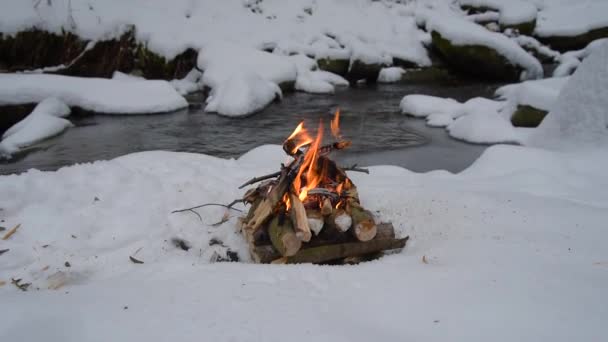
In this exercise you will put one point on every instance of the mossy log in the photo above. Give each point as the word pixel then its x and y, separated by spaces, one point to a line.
pixel 476 60
pixel 527 116
pixel 283 236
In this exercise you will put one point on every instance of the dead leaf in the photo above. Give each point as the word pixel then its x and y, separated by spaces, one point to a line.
pixel 424 261
pixel 224 219
pixel 11 232
pixel 135 261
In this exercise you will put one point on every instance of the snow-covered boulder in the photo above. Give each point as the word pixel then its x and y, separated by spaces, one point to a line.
pixel 514 14
pixel 572 26
pixel 475 50
pixel 390 75
pixel 527 103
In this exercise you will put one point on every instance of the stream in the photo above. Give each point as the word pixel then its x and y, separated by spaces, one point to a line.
pixel 370 117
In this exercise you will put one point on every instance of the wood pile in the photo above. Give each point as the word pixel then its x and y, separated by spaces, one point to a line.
pixel 310 211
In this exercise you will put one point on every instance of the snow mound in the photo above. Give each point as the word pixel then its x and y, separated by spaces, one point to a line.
pixel 580 115
pixel 423 105
pixel 242 94
pixel 94 94
pixel 569 61
pixel 460 31
pixel 540 94
pixel 46 120
pixel 191 83
pixel 572 18
pixel 483 128
pixel 512 12
pixel 390 75
pixel 319 82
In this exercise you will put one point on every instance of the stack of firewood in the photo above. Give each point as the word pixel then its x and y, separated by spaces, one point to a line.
pixel 309 211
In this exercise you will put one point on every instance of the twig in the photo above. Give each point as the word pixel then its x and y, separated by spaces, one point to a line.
pixel 354 168
pixel 260 178
pixel 229 206
pixel 11 232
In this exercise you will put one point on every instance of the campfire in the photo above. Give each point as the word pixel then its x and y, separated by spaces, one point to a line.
pixel 310 211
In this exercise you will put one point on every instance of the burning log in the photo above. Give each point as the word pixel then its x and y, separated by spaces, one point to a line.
pixel 299 218
pixel 283 236
pixel 326 208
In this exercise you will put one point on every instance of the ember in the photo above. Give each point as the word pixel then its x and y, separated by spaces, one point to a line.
pixel 312 195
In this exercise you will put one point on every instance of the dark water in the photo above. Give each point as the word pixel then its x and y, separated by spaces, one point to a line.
pixel 370 118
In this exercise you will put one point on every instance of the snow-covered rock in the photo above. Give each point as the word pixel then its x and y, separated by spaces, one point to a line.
pixel 390 75
pixel 93 94
pixel 45 121
pixel 242 94
pixel 518 14
pixel 473 49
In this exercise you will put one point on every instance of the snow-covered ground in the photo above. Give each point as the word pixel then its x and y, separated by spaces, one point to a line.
pixel 511 249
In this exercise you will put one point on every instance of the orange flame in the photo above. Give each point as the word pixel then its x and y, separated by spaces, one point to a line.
pixel 300 138
pixel 309 167
pixel 335 125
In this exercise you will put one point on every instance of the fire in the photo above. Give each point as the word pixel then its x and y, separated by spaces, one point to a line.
pixel 312 172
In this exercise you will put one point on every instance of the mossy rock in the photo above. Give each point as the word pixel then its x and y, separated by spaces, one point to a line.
pixel 105 58
pixel 33 49
pixel 359 70
pixel 404 63
pixel 288 86
pixel 476 60
pixel 11 114
pixel 563 43
pixel 154 66
pixel 336 66
pixel 527 116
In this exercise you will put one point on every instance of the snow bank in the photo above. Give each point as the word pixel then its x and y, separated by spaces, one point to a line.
pixel 423 105
pixel 390 75
pixel 93 94
pixel 512 12
pixel 568 19
pixel 460 31
pixel 580 115
pixel 45 121
pixel 319 82
pixel 242 94
pixel 483 128
pixel 520 234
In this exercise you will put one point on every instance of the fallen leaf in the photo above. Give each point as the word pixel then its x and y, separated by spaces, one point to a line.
pixel 11 232
pixel 135 261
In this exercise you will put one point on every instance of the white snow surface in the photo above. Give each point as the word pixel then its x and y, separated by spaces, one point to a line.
pixel 390 75
pixel 569 61
pixel 46 120
pixel 520 234
pixel 540 94
pixel 94 94
pixel 580 115
pixel 242 94
pixel 571 18
pixel 512 12
pixel 460 31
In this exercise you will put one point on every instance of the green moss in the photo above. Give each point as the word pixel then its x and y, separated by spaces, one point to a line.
pixel 154 66
pixel 477 60
pixel 562 43
pixel 527 116
pixel 337 66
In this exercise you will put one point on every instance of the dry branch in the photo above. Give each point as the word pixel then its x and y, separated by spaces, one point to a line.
pixel 11 232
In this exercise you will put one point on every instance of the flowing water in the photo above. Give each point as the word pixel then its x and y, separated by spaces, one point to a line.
pixel 370 118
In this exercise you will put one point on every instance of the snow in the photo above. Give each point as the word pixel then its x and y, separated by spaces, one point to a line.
pixel 460 31
pixel 569 61
pixel 390 75
pixel 519 234
pixel 512 12
pixel 540 94
pixel 580 115
pixel 243 94
pixel 423 105
pixel 92 94
pixel 483 127
pixel 319 82
pixel 45 121
pixel 571 18
pixel 191 83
